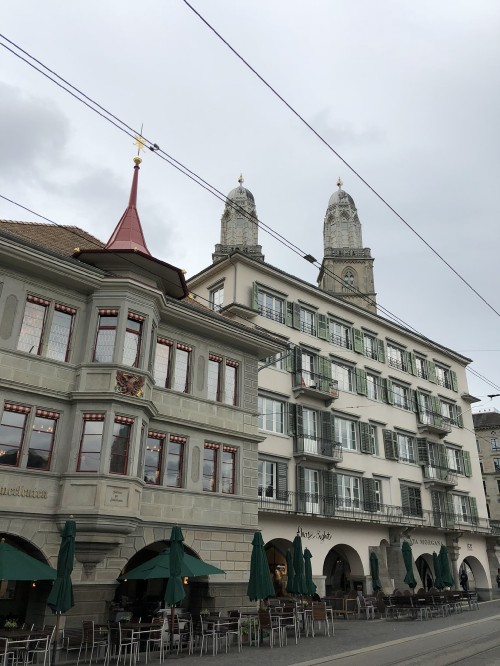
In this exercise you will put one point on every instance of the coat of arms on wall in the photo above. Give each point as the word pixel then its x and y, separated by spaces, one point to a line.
pixel 128 384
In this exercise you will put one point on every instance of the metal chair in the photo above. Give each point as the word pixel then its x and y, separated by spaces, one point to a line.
pixel 319 615
pixel 90 640
pixel 266 623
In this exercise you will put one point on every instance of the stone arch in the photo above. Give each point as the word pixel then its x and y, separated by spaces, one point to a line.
pixel 478 578
pixel 276 557
pixel 342 568
pixel 349 279
pixel 425 567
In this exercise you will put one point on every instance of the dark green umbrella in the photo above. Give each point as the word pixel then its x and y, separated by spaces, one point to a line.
pixel 374 571
pixel 298 565
pixel 260 586
pixel 174 592
pixel 159 567
pixel 445 567
pixel 16 565
pixel 438 574
pixel 60 599
pixel 310 585
pixel 409 579
pixel 290 572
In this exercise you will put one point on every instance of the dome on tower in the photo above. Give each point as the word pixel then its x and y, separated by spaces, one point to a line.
pixel 341 196
pixel 240 192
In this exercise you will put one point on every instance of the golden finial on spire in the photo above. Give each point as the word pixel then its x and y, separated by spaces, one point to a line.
pixel 241 180
pixel 340 182
pixel 140 142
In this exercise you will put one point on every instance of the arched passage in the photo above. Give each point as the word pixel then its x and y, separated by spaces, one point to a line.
pixel 343 569
pixel 425 568
pixel 24 600
pixel 477 577
pixel 276 557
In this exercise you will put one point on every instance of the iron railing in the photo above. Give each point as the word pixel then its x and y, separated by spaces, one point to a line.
pixel 442 474
pixel 315 446
pixel 272 313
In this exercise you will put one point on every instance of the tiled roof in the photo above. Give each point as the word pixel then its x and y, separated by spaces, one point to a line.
pixel 58 238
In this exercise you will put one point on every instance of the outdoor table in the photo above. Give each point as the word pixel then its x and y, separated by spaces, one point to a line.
pixel 16 634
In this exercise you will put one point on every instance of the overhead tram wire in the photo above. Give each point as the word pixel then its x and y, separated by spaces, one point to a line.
pixel 337 154
pixel 153 146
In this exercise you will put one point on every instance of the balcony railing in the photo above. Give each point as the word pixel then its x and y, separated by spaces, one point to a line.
pixel 341 341
pixel 272 313
pixel 312 383
pixel 434 423
pixel 359 510
pixel 440 475
pixel 308 445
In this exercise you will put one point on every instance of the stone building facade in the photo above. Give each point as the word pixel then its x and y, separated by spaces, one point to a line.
pixel 487 427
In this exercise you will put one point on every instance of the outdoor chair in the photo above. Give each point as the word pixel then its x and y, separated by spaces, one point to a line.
pixel 366 607
pixel 351 605
pixel 38 649
pixel 180 633
pixel 289 623
pixel 208 632
pixel 157 635
pixel 266 624
pixel 128 645
pixel 231 629
pixel 319 615
pixel 90 640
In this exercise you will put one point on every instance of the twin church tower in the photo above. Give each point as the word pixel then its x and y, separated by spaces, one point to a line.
pixel 347 267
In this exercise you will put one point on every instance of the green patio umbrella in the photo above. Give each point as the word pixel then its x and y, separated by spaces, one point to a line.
pixel 174 591
pixel 374 571
pixel 298 565
pixel 60 599
pixel 409 579
pixel 310 585
pixel 290 572
pixel 16 565
pixel 438 574
pixel 260 586
pixel 445 567
pixel 159 567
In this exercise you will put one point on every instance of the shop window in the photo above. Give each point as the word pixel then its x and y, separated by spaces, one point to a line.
pixel 107 323
pixel 122 427
pixel 89 457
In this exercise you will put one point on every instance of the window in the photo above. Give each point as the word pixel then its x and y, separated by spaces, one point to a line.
pixel 496 463
pixel 133 335
pixel 443 376
pixel 308 370
pixel 348 491
pixel 464 508
pixel 89 458
pixel 375 387
pixel 349 279
pixel 42 439
pixel 37 314
pixel 344 374
pixel 217 298
pixel 377 490
pixel 267 479
pixel 451 413
pixel 345 433
pixel 153 458
pixel 122 428
pixel 210 467
pixel 106 335
pixel 228 470
pixel 401 396
pixel 172 364
pixel 175 461
pixel 421 367
pixel 368 438
pixel 12 432
pixel 340 334
pixel 222 382
pixel 278 361
pixel 271 415
pixel 370 346
pixel 307 321
pixel 494 444
pixel 310 431
pixel 455 460
pixel 411 501
pixel 397 358
pixel 407 448
pixel 311 491
pixel 270 306
pixel 498 486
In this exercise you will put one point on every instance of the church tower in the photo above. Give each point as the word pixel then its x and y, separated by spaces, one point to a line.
pixel 347 268
pixel 239 226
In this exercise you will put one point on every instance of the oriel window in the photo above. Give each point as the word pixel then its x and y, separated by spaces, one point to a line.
pixel 106 336
pixel 133 336
pixel 122 428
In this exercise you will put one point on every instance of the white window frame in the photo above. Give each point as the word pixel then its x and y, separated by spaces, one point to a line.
pixel 407 448
pixel 443 376
pixel 268 470
pixel 346 433
pixel 421 367
pixel 345 376
pixel 272 414
pixel 375 390
pixel 396 357
pixel 370 346
pixel 349 491
pixel 310 429
pixel 462 508
pixel 308 321
pixel 401 396
pixel 271 306
pixel 455 458
pixel 340 334
pixel 217 298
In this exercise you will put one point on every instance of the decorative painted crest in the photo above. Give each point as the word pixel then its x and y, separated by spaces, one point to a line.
pixel 129 384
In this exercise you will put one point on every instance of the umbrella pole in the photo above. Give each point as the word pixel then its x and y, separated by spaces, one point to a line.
pixel 55 638
pixel 172 616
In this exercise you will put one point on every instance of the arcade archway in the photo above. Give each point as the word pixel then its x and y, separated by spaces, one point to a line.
pixel 343 569
pixel 425 570
pixel 476 574
pixel 276 558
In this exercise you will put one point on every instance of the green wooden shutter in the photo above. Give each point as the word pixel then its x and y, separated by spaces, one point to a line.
pixel 361 383
pixel 460 420
pixel 255 297
pixel 467 465
pixel 289 313
pixel 299 428
pixel 388 391
pixel 328 481
pixel 327 430
pixel 301 490
pixel 420 404
pixel 296 315
pixel 282 481
pixel 405 499
pixel 450 511
pixel 323 327
pixel 325 374
pixel 380 350
pixel 366 442
pixel 441 456
pixel 431 372
pixel 289 360
pixel 292 429
pixel 297 366
pixel 413 363
pixel 473 510
pixel 369 497
pixel 454 381
pixel 358 340
pixel 422 451
pixel 437 418
pixel 390 445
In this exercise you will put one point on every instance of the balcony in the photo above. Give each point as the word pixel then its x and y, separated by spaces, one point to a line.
pixel 433 424
pixel 439 476
pixel 314 448
pixel 314 385
pixel 359 511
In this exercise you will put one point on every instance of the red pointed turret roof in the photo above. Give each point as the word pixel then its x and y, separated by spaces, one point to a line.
pixel 128 233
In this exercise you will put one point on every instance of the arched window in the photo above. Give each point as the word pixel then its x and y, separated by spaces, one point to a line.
pixel 349 280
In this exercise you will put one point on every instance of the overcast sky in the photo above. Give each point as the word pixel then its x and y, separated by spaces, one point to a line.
pixel 407 92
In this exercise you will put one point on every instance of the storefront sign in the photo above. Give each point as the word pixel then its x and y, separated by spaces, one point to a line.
pixel 22 491
pixel 425 542
pixel 319 534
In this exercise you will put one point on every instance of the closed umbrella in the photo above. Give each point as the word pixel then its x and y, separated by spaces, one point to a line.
pixel 438 574
pixel 445 567
pixel 310 585
pixel 290 573
pixel 174 591
pixel 16 565
pixel 60 599
pixel 298 565
pixel 260 586
pixel 374 571
pixel 409 579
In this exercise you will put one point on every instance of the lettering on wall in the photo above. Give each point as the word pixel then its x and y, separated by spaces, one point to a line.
pixel 425 542
pixel 320 535
pixel 22 491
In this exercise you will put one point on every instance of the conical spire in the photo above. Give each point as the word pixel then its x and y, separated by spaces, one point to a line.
pixel 128 232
